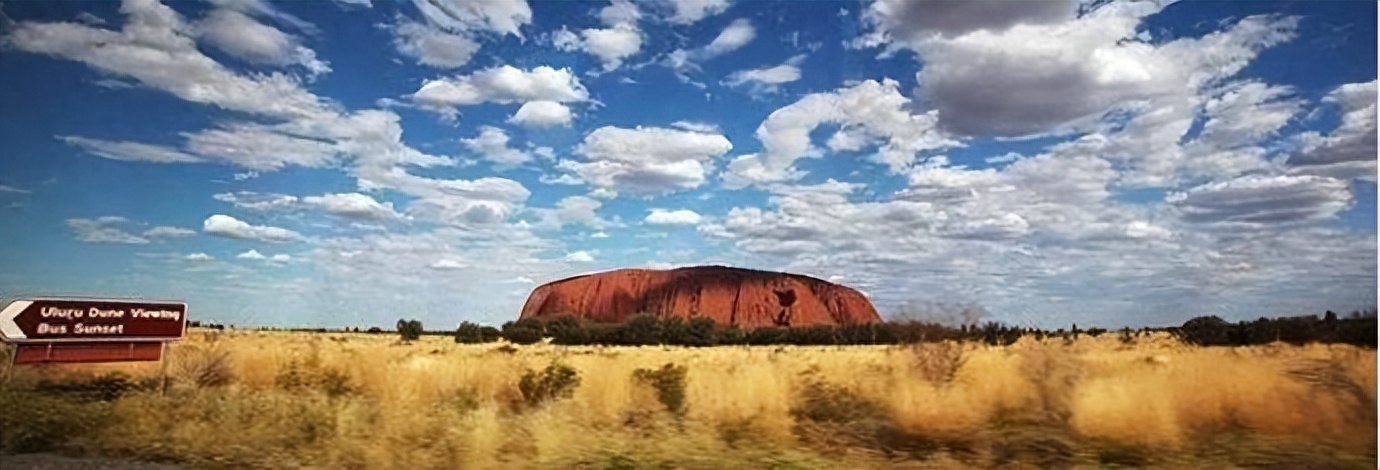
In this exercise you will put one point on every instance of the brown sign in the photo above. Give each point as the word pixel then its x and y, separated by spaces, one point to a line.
pixel 87 352
pixel 92 320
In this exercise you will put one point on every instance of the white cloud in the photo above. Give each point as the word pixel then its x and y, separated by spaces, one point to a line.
pixel 245 38
pixel 1349 151
pixel 280 258
pixel 251 254
pixel 230 227
pixel 911 21
pixel 611 45
pixel 579 257
pixel 599 235
pixel 875 110
pixel 542 114
pixel 503 84
pixel 447 263
pixel 685 12
pixel 766 80
pixel 199 257
pixel 432 46
pixel 1036 78
pixel 570 180
pixel 353 205
pixel 261 148
pixel 104 230
pixel 492 145
pixel 736 35
pixel 163 231
pixel 1261 200
pixel 672 217
pixel 701 127
pixel 11 189
pixel 646 160
pixel 257 201
pixel 506 17
pixel 156 48
pixel 130 151
pixel 620 11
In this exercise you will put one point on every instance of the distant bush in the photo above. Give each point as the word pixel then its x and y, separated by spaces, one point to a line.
pixel 523 332
pixel 669 383
pixel 555 382
pixel 470 333
pixel 410 330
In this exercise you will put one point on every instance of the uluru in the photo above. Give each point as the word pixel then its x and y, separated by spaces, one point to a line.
pixel 731 296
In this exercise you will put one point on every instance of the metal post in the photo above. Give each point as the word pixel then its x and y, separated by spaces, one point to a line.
pixel 163 362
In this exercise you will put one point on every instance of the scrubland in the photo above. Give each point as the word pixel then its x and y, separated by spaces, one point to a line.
pixel 337 401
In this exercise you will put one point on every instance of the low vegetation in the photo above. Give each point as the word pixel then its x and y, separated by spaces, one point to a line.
pixel 1152 399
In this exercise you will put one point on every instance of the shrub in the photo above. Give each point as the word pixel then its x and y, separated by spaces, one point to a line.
pixel 938 363
pixel 555 382
pixel 469 333
pixel 643 329
pixel 523 332
pixel 203 367
pixel 700 332
pixel 669 383
pixel 409 330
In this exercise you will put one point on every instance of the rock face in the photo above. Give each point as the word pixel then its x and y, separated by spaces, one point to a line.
pixel 743 297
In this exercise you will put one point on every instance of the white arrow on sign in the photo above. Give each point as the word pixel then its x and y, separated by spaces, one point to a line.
pixel 8 328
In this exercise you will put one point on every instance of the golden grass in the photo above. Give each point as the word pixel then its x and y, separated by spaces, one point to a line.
pixel 436 404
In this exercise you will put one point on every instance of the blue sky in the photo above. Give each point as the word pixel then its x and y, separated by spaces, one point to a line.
pixel 348 163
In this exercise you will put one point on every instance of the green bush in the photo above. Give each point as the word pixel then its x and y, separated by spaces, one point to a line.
pixel 410 330
pixel 469 333
pixel 523 332
pixel 669 383
pixel 555 382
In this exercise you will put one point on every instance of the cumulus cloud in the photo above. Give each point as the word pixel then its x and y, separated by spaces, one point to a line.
pixel 257 201
pixel 492 145
pixel 672 217
pixel 251 254
pixel 447 38
pixel 646 160
pixel 245 38
pixel 685 12
pixel 447 263
pixel 767 79
pixel 229 227
pixel 104 230
pixel 1261 200
pixel 432 46
pixel 353 206
pixel 1038 78
pixel 503 84
pixel 542 114
pixel 611 45
pixel 581 256
pixel 156 48
pixel 199 257
pixel 872 110
pixel 911 21
pixel 1349 150
pixel 163 231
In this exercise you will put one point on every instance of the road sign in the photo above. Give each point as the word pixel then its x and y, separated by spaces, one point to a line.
pixel 28 353
pixel 60 320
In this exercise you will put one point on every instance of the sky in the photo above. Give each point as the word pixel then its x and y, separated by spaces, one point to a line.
pixel 350 163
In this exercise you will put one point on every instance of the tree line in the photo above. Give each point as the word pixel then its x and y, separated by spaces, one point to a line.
pixel 647 329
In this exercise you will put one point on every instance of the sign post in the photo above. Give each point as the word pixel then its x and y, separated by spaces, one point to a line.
pixel 79 330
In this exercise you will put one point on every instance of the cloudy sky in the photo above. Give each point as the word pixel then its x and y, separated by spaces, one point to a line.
pixel 348 163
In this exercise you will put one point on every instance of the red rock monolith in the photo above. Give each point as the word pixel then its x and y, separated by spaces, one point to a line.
pixel 743 297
